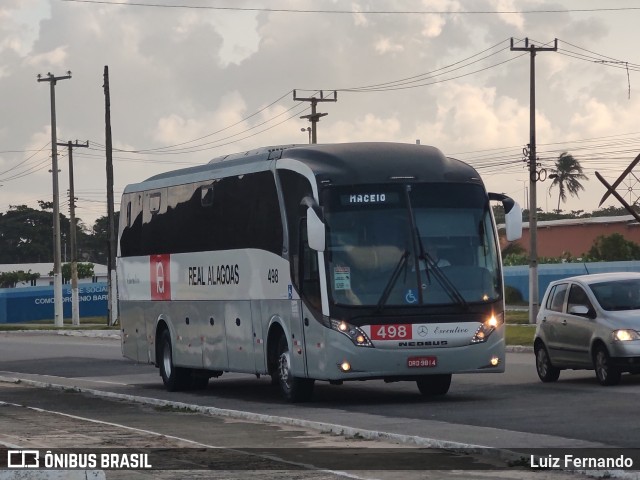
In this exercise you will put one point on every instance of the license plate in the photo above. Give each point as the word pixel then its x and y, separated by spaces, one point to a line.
pixel 422 362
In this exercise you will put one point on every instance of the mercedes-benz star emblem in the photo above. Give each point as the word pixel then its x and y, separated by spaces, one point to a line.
pixel 423 331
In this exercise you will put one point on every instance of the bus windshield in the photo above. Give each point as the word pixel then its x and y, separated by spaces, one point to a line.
pixel 411 245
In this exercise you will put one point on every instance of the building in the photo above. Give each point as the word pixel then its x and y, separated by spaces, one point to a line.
pixel 44 269
pixel 576 235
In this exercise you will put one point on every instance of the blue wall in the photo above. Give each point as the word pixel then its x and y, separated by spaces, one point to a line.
pixel 518 277
pixel 36 303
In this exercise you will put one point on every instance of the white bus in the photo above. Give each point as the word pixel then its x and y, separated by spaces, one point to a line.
pixel 317 262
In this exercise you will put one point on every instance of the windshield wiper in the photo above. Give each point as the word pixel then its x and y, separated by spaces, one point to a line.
pixel 443 280
pixel 402 263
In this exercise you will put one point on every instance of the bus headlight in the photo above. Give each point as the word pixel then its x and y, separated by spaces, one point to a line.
pixel 487 328
pixel 355 334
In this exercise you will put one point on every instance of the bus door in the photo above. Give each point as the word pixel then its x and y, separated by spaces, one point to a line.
pixel 239 333
pixel 303 317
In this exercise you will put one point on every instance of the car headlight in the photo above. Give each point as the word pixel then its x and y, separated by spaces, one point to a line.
pixel 625 335
pixel 487 328
pixel 355 334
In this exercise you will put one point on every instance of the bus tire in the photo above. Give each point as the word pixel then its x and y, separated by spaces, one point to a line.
pixel 431 385
pixel 174 378
pixel 294 389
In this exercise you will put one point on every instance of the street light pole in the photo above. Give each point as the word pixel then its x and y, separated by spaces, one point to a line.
pixel 58 318
pixel 308 130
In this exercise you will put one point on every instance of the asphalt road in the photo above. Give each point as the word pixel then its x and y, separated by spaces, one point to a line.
pixel 507 410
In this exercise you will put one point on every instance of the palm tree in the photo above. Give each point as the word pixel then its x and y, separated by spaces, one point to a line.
pixel 566 176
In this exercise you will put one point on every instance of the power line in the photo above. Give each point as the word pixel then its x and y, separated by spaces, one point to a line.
pixel 352 12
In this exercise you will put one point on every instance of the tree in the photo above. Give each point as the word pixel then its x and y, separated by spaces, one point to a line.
pixel 26 235
pixel 85 270
pixel 566 176
pixel 11 279
pixel 611 248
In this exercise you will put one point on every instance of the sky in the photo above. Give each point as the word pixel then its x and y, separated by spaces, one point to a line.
pixel 191 80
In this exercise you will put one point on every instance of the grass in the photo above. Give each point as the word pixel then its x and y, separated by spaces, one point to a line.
pixel 86 323
pixel 520 335
pixel 517 317
pixel 518 332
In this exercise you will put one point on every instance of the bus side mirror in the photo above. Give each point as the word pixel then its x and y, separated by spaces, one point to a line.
pixel 512 215
pixel 513 222
pixel 316 232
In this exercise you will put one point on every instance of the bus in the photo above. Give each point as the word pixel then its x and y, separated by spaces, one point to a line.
pixel 331 262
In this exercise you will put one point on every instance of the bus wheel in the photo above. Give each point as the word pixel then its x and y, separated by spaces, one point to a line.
pixel 294 389
pixel 174 378
pixel 430 385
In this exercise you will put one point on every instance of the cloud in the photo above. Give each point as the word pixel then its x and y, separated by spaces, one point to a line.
pixel 179 74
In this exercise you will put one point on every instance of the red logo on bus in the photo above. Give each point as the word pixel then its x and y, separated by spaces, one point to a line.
pixel 160 266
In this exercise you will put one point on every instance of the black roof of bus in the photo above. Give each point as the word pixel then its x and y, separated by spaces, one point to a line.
pixel 348 163
pixel 378 162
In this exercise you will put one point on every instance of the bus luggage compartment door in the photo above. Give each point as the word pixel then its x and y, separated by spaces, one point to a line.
pixel 134 332
pixel 239 332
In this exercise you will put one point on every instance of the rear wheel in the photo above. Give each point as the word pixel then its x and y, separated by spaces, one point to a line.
pixel 546 371
pixel 174 378
pixel 294 389
pixel 431 385
pixel 606 373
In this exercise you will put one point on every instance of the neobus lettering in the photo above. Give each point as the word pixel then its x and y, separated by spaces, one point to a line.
pixel 423 344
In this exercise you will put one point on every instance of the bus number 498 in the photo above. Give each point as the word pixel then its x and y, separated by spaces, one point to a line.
pixel 272 275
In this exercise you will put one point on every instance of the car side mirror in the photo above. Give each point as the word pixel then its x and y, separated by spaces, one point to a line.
pixel 581 310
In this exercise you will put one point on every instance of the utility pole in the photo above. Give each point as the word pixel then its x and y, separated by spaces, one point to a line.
pixel 314 117
pixel 75 297
pixel 111 267
pixel 58 319
pixel 533 177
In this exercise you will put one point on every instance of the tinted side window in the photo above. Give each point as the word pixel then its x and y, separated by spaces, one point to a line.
pixel 232 213
pixel 550 297
pixel 558 297
pixel 310 283
pixel 131 236
pixel 577 296
pixel 294 188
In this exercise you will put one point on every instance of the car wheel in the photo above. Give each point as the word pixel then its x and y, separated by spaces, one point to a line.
pixel 174 378
pixel 294 389
pixel 606 373
pixel 546 371
pixel 431 385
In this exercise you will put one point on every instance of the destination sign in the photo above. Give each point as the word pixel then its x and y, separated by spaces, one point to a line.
pixel 370 198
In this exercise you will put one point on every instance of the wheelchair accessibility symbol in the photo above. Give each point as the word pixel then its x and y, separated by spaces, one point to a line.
pixel 411 297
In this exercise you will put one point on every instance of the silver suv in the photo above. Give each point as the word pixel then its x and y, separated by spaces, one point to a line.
pixel 590 322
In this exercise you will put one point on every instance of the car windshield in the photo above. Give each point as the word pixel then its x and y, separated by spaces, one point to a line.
pixel 618 294
pixel 373 252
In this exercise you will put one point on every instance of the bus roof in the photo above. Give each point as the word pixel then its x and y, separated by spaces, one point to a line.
pixel 336 164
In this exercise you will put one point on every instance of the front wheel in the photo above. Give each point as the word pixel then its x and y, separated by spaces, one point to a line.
pixel 174 378
pixel 546 371
pixel 431 385
pixel 294 389
pixel 606 373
